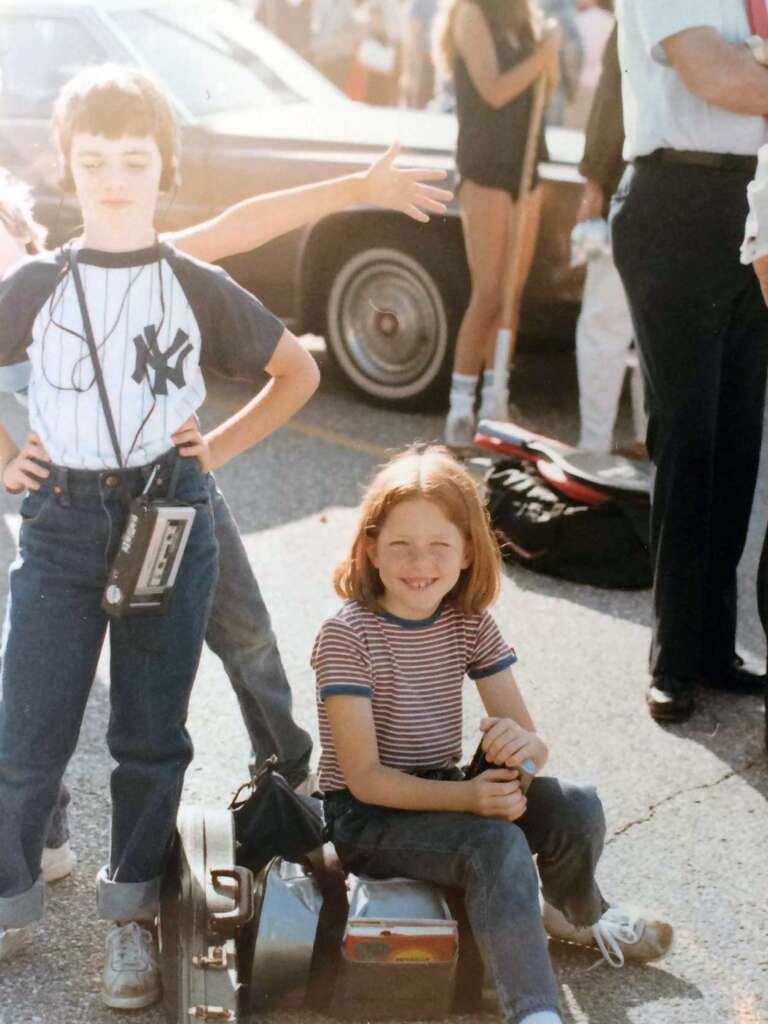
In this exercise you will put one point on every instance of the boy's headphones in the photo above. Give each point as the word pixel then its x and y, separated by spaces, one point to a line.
pixel 169 176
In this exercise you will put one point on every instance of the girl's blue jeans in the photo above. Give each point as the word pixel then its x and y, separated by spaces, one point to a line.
pixel 53 635
pixel 490 862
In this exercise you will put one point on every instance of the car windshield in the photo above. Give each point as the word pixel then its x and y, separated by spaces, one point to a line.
pixel 216 62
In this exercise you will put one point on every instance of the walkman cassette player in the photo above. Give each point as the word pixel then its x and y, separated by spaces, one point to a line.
pixel 146 565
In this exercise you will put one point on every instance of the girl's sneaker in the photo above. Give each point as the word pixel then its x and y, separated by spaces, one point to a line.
pixel 131 978
pixel 57 862
pixel 12 941
pixel 619 934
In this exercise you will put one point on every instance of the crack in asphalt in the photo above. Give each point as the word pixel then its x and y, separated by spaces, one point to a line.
pixel 673 796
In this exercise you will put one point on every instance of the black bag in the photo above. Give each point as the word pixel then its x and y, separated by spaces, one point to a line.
pixel 602 545
pixel 274 821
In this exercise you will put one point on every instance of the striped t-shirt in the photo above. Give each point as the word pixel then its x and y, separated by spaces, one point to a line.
pixel 413 672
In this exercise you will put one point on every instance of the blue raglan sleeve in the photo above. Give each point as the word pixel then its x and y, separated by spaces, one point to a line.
pixel 23 293
pixel 239 334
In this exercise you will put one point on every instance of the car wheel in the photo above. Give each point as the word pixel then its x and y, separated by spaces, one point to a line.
pixel 391 322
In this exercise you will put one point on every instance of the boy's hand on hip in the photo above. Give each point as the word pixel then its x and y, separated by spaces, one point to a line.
pixel 23 472
pixel 507 743
pixel 497 793
pixel 192 444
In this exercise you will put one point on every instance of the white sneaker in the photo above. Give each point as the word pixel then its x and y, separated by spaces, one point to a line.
pixel 131 978
pixel 57 862
pixel 619 934
pixel 460 429
pixel 12 941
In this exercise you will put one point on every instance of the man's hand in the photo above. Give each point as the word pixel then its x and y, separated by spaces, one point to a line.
pixel 404 188
pixel 192 444
pixel 23 472
pixel 507 743
pixel 497 793
pixel 761 269
pixel 592 202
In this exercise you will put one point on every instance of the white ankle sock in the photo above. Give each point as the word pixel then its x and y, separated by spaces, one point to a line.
pixel 488 396
pixel 542 1017
pixel 462 396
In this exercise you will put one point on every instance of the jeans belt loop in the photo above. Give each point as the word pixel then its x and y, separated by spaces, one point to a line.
pixel 62 493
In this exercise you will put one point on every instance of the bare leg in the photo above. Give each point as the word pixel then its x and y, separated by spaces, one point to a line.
pixel 485 215
pixel 530 237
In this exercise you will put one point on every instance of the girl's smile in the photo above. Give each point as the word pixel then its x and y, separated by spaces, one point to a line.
pixel 419 554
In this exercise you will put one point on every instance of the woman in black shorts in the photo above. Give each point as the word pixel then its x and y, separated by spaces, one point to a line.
pixel 495 50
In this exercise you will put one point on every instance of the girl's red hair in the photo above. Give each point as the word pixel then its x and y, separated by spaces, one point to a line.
pixel 429 472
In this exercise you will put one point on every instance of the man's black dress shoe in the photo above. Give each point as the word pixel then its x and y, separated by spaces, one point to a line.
pixel 735 678
pixel 670 699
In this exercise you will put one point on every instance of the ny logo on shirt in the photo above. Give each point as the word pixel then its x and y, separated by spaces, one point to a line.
pixel 148 354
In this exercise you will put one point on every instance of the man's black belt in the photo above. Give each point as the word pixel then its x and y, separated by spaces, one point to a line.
pixel 695 158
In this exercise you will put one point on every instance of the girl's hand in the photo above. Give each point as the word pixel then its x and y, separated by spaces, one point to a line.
pixel 497 793
pixel 404 188
pixel 507 743
pixel 23 472
pixel 192 444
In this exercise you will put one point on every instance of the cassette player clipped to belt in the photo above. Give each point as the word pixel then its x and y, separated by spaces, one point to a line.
pixel 146 565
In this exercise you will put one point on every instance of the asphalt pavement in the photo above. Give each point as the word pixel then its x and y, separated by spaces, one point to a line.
pixel 686 806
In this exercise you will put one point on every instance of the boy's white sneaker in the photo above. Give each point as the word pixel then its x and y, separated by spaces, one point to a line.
pixel 131 978
pixel 619 934
pixel 57 862
pixel 12 941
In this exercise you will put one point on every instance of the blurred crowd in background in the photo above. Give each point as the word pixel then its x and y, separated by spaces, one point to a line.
pixel 380 51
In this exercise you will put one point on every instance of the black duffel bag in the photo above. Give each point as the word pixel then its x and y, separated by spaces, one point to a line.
pixel 602 545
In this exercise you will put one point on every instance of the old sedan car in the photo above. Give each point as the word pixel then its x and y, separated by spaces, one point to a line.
pixel 386 293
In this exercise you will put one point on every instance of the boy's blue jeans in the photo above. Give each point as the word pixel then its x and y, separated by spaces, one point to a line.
pixel 53 635
pixel 240 634
pixel 491 862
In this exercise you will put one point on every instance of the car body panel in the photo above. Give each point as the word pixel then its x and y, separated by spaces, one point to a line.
pixel 229 155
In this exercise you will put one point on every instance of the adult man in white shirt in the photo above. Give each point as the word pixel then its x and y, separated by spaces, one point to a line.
pixel 694 100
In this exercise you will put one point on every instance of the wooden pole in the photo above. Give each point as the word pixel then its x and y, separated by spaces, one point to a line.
pixel 510 310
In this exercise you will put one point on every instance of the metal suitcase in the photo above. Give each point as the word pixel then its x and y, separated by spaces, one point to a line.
pixel 205 900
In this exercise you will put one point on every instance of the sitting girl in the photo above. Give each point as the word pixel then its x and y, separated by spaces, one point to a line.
pixel 421 573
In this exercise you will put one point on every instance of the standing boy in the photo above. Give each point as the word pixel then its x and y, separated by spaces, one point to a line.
pixel 156 317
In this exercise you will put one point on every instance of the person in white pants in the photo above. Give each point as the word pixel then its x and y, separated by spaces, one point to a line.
pixel 604 330
pixel 603 355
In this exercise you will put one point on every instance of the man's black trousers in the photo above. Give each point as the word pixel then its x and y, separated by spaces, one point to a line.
pixel 702 331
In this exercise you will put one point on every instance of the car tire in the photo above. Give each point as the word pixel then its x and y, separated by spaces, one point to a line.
pixel 391 319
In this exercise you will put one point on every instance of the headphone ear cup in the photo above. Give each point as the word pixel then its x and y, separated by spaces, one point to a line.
pixel 170 177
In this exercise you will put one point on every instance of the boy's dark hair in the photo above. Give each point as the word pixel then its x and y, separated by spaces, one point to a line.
pixel 113 101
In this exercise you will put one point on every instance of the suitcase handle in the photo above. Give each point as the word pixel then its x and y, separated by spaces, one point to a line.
pixel 243 911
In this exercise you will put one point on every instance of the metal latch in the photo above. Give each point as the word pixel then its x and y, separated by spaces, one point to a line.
pixel 215 961
pixel 211 1013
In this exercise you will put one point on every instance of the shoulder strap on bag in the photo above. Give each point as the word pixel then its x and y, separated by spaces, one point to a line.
pixel 88 330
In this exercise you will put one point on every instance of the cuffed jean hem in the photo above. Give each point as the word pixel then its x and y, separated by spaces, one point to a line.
pixel 524 1008
pixel 127 901
pixel 25 908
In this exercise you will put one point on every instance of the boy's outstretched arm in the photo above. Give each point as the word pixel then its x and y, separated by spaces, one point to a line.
pixel 295 377
pixel 510 737
pixel 257 220
pixel 493 794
